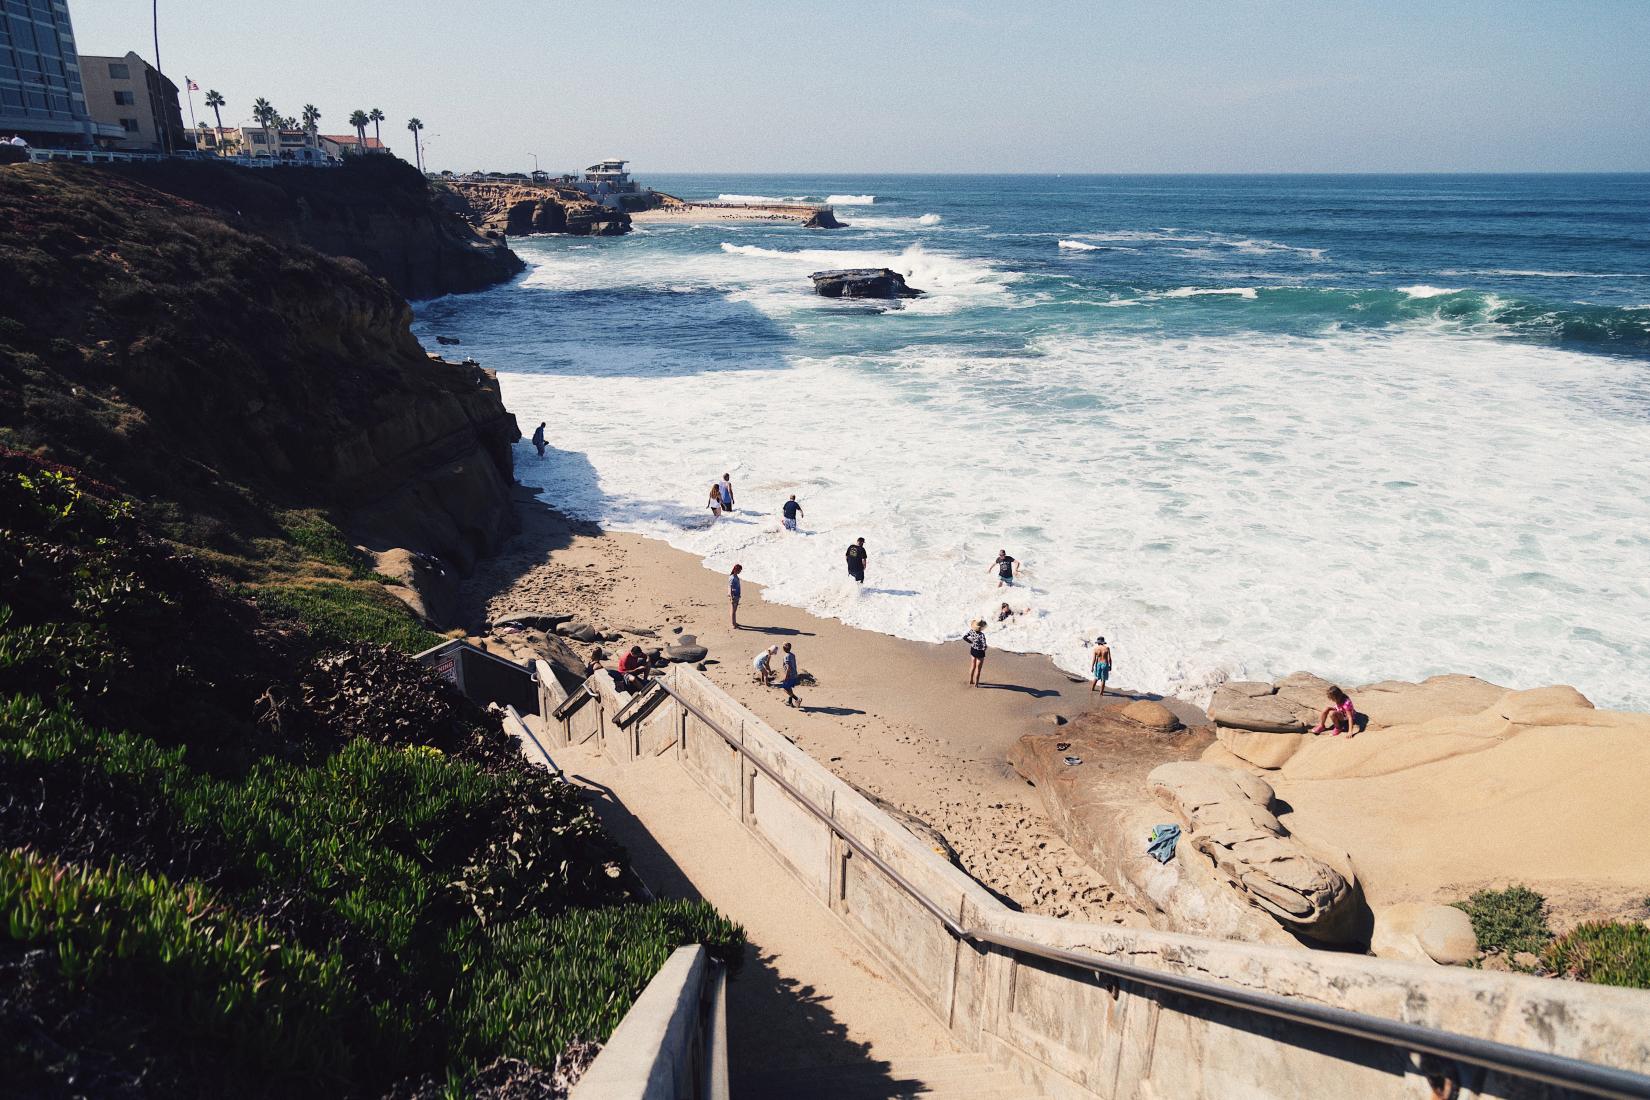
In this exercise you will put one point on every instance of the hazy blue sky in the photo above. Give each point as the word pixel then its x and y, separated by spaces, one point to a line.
pixel 947 86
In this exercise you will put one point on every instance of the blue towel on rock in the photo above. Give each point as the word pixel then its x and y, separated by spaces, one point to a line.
pixel 1161 847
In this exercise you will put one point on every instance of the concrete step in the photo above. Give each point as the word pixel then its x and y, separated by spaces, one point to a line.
pixel 952 1077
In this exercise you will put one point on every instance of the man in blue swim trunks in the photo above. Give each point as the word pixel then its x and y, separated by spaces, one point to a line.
pixel 1102 665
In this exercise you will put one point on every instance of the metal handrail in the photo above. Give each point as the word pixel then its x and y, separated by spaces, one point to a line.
pixel 1551 1069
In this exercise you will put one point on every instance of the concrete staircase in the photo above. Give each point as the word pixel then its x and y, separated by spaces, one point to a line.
pixel 949 1077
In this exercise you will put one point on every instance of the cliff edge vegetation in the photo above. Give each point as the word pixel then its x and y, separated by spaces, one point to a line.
pixel 247 845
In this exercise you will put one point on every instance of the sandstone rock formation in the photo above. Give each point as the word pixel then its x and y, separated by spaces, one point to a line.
pixel 1423 933
pixel 1227 816
pixel 216 370
pixel 518 209
pixel 376 210
pixel 862 282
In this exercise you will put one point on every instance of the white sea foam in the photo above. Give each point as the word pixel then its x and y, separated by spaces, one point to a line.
pixel 850 200
pixel 1248 292
pixel 1513 272
pixel 929 219
pixel 1200 244
pixel 758 200
pixel 1424 291
pixel 1356 503
pixel 1079 246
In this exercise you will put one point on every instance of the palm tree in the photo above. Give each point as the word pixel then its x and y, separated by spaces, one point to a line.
pixel 359 120
pixel 375 116
pixel 266 116
pixel 416 125
pixel 312 115
pixel 216 101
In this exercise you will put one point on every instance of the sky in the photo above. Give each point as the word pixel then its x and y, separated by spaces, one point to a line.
pixel 944 86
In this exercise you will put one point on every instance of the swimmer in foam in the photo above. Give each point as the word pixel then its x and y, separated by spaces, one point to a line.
pixel 1004 568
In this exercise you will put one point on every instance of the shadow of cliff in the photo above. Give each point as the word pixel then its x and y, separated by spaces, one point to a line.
pixel 776 1025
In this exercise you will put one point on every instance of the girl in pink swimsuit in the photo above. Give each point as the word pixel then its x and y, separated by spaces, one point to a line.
pixel 1338 714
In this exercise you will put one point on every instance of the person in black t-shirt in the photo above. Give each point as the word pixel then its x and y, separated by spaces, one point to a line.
pixel 857 557
pixel 1004 565
pixel 791 509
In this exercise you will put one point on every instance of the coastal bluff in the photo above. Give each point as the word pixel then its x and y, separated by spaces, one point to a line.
pixel 516 208
pixel 379 211
pixel 221 374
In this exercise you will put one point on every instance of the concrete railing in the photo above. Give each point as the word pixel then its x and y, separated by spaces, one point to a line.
pixel 672 1044
pixel 1085 1010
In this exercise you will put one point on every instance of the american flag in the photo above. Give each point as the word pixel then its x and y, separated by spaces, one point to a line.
pixel 193 87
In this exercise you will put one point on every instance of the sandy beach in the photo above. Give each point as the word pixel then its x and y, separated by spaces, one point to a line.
pixel 896 717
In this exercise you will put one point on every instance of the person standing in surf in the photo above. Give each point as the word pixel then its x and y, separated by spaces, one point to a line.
pixel 791 678
pixel 976 651
pixel 734 591
pixel 727 493
pixel 857 557
pixel 791 509
pixel 1004 565
pixel 1101 665
pixel 538 439
pixel 715 504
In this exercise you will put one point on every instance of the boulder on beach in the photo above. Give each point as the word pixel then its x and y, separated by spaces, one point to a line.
pixel 862 282
pixel 1420 932
pixel 823 218
pixel 685 654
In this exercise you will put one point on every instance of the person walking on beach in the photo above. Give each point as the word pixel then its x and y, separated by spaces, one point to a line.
pixel 762 667
pixel 715 501
pixel 791 509
pixel 1101 665
pixel 727 493
pixel 538 439
pixel 734 588
pixel 857 557
pixel 790 679
pixel 976 651
pixel 1004 565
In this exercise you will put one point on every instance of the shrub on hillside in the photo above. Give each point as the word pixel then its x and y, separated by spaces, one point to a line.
pixel 1606 952
pixel 1508 921
pixel 335 613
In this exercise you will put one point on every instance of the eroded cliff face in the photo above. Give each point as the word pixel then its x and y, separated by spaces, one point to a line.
pixel 520 209
pixel 378 210
pixel 220 373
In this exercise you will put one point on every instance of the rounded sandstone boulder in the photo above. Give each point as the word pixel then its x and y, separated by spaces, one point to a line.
pixel 1152 715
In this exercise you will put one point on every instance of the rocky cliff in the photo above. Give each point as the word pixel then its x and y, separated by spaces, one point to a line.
pixel 220 374
pixel 520 209
pixel 378 210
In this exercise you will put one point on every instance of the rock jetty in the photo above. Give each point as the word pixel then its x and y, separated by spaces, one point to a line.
pixel 520 209
pixel 863 282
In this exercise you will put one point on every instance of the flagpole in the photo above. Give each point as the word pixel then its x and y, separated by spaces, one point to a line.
pixel 189 85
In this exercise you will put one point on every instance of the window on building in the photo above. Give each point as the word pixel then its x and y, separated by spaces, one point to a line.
pixel 125 99
pixel 119 70
pixel 130 125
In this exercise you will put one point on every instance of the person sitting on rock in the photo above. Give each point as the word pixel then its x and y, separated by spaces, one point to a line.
pixel 1340 712
pixel 633 666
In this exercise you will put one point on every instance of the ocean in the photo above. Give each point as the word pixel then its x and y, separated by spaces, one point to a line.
pixel 1370 426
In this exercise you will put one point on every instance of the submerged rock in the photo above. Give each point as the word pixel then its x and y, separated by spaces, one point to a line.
pixel 862 282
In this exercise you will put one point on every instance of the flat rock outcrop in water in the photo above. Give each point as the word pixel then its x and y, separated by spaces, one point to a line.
pixel 521 209
pixel 862 282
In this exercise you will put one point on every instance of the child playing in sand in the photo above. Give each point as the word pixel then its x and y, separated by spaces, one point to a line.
pixel 791 678
pixel 1340 712
pixel 762 667
pixel 976 651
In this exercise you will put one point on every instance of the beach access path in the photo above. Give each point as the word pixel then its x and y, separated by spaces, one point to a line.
pixel 894 716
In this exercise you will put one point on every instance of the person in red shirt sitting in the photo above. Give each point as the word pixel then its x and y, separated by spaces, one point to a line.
pixel 633 667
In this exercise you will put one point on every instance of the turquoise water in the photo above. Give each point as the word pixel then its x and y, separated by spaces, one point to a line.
pixel 1370 426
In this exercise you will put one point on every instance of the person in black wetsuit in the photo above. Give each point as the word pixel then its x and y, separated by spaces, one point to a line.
pixel 857 557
